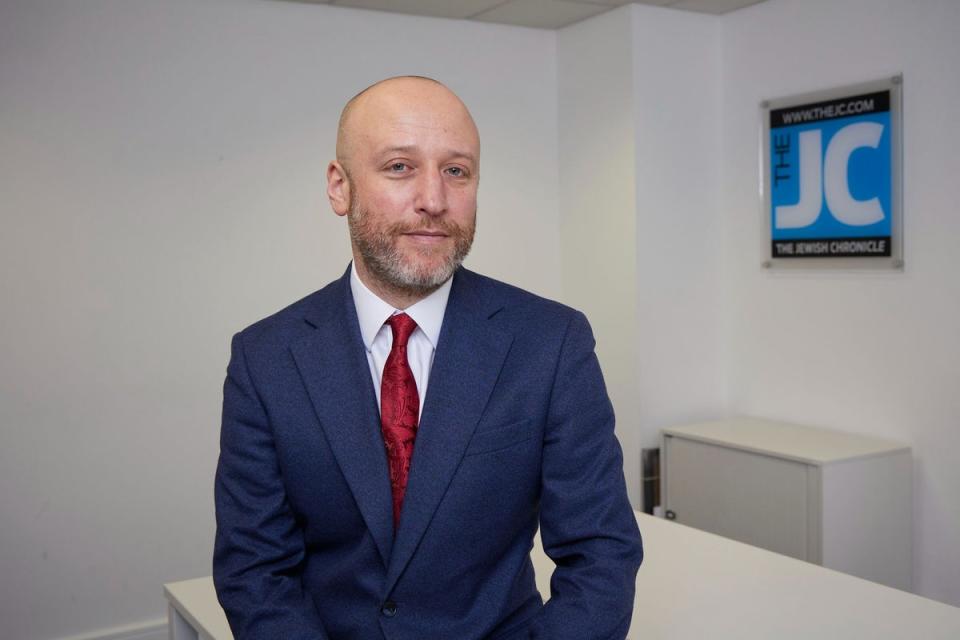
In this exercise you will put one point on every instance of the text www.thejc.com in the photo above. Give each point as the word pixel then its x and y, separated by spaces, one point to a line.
pixel 829 111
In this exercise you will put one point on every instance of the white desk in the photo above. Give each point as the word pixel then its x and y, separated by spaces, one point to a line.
pixel 695 585
pixel 193 611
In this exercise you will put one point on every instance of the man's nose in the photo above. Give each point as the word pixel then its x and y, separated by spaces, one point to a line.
pixel 431 197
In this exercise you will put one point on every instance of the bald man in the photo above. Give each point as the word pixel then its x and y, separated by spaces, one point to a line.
pixel 391 442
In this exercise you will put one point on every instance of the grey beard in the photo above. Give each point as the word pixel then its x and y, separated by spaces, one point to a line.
pixel 386 263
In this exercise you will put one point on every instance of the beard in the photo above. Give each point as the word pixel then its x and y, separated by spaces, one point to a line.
pixel 421 269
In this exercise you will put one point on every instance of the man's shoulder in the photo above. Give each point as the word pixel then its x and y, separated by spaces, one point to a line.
pixel 297 317
pixel 522 303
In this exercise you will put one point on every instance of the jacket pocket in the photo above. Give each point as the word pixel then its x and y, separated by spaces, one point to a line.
pixel 498 438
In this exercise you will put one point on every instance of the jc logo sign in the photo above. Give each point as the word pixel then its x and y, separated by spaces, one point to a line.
pixel 824 176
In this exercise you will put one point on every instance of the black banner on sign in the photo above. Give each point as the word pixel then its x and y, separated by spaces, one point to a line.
pixel 832 248
pixel 830 109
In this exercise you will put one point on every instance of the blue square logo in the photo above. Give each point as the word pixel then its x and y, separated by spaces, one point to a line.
pixel 830 178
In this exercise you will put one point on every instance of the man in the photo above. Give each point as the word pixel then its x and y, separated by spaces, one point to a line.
pixel 391 442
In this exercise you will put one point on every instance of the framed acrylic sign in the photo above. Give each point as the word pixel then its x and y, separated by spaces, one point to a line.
pixel 832 178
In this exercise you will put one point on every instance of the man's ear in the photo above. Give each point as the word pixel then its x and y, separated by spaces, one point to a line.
pixel 338 188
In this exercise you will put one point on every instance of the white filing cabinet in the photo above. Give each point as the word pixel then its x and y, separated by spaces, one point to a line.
pixel 832 498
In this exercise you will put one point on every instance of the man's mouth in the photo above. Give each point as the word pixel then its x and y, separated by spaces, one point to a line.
pixel 426 232
pixel 425 235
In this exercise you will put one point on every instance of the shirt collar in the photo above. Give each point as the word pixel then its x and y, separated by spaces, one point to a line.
pixel 372 312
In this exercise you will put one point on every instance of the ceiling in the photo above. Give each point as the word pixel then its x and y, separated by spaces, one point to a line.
pixel 544 14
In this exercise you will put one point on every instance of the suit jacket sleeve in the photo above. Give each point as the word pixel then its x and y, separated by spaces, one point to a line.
pixel 259 548
pixel 586 522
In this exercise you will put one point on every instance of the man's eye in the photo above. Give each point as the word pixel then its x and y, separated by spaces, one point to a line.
pixel 398 167
pixel 456 172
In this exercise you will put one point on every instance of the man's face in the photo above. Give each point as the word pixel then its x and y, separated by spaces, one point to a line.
pixel 412 175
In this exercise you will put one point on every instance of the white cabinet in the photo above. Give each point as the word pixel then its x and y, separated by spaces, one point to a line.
pixel 832 498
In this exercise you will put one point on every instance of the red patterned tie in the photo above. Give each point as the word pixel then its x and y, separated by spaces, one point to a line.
pixel 399 409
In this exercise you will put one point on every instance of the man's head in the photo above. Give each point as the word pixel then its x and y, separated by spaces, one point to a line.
pixel 406 176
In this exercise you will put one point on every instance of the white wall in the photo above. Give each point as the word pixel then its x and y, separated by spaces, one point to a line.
pixel 870 353
pixel 162 180
pixel 639 143
pixel 597 207
pixel 676 79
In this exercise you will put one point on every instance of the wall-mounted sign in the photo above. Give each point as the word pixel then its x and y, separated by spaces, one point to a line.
pixel 832 177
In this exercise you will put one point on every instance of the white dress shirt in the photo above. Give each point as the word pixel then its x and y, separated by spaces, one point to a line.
pixel 373 313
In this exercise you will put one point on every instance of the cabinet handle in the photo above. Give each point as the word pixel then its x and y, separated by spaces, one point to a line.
pixel 671 514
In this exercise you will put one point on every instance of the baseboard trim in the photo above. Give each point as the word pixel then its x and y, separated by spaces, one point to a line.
pixel 148 630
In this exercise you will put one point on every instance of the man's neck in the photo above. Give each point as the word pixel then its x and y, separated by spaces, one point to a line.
pixel 398 298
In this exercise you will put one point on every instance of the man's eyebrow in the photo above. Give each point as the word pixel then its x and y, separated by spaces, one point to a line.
pixel 398 149
pixel 408 148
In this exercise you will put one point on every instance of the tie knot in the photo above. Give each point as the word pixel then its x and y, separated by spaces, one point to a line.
pixel 402 325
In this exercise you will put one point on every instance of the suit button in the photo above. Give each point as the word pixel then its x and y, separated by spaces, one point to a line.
pixel 389 608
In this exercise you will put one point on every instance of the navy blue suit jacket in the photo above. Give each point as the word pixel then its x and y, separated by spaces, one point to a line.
pixel 516 430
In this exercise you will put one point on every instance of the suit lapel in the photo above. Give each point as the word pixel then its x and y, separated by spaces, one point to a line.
pixel 333 364
pixel 470 353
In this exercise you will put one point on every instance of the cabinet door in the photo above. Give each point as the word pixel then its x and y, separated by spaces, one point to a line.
pixel 753 498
